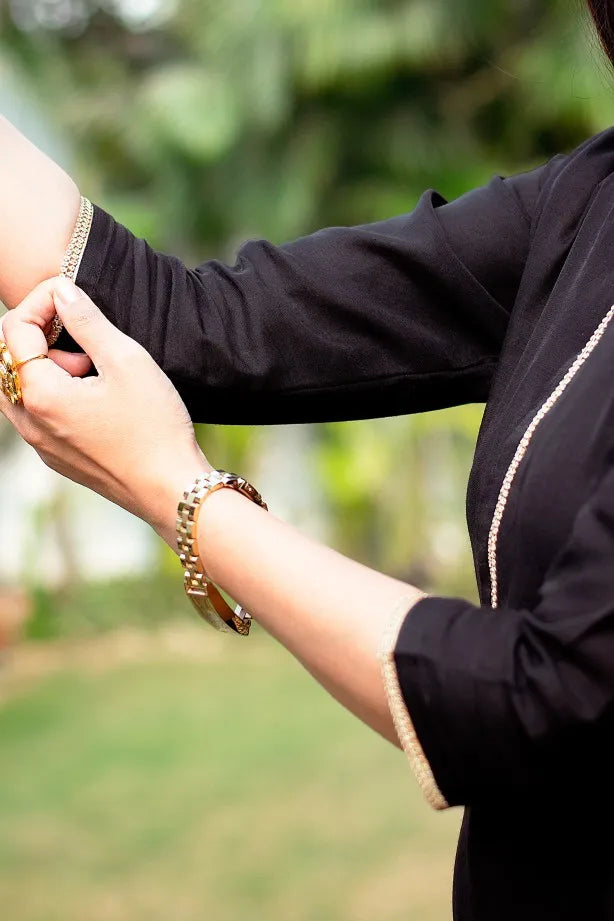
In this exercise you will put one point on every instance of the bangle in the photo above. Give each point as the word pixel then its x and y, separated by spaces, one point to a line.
pixel 72 258
pixel 201 591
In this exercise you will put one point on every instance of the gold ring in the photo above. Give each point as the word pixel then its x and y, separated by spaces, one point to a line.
pixel 10 384
pixel 25 361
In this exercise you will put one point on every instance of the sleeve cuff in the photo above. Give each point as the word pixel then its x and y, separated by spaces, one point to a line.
pixel 96 250
pixel 93 247
pixel 398 708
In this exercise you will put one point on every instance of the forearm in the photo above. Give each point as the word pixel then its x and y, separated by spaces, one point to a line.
pixel 487 706
pixel 328 611
pixel 39 204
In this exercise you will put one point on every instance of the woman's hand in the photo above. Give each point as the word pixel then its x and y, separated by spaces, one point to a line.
pixel 126 433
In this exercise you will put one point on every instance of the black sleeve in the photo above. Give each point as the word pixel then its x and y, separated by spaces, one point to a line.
pixel 404 315
pixel 519 702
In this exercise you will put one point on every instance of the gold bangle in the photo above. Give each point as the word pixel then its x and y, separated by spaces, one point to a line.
pixel 203 594
pixel 72 258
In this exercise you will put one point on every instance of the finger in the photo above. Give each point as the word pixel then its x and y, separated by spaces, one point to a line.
pixel 39 305
pixel 39 308
pixel 86 323
pixel 23 334
pixel 77 364
pixel 30 318
pixel 40 379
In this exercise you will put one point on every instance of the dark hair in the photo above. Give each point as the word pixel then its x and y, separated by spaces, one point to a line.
pixel 602 12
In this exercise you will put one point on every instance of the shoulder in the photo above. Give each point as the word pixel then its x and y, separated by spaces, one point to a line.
pixel 572 178
pixel 558 194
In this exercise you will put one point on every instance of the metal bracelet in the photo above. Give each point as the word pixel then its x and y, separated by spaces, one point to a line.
pixel 203 594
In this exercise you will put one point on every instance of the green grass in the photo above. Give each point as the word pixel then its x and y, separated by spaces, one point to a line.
pixel 213 781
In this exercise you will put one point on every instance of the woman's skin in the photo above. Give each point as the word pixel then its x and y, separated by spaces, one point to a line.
pixel 330 612
pixel 127 435
pixel 39 205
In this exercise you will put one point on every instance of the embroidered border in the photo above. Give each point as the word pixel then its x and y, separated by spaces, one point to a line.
pixel 398 709
pixel 521 450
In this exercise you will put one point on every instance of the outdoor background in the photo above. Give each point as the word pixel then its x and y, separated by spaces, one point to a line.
pixel 149 768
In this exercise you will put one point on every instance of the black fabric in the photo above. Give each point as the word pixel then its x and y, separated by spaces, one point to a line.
pixel 400 316
pixel 488 298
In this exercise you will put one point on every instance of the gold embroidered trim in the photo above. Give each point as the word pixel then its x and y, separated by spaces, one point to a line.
pixel 521 450
pixel 78 241
pixel 73 256
pixel 398 709
pixel 401 718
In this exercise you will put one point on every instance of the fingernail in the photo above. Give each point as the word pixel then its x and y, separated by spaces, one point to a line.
pixel 67 291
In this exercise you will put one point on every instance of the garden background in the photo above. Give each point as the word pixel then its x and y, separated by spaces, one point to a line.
pixel 150 769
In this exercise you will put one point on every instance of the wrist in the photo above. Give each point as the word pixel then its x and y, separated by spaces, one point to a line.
pixel 163 517
pixel 219 517
pixel 200 565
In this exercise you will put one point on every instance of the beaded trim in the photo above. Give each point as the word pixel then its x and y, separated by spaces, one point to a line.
pixel 521 450
pixel 400 716
pixel 76 247
pixel 73 256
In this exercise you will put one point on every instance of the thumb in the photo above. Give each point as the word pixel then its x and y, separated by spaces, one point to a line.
pixel 75 363
pixel 85 322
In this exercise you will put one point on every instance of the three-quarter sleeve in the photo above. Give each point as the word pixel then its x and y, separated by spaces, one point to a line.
pixel 507 703
pixel 403 315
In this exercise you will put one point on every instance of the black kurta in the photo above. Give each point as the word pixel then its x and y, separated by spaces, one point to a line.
pixel 488 298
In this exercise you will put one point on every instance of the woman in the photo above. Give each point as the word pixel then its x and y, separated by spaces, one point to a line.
pixel 506 708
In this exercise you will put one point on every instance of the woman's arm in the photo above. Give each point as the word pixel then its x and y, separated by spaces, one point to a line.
pixel 403 315
pixel 399 316
pixel 489 706
pixel 39 204
pixel 329 611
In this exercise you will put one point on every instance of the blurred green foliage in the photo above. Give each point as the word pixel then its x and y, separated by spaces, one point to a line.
pixel 200 124
pixel 98 607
